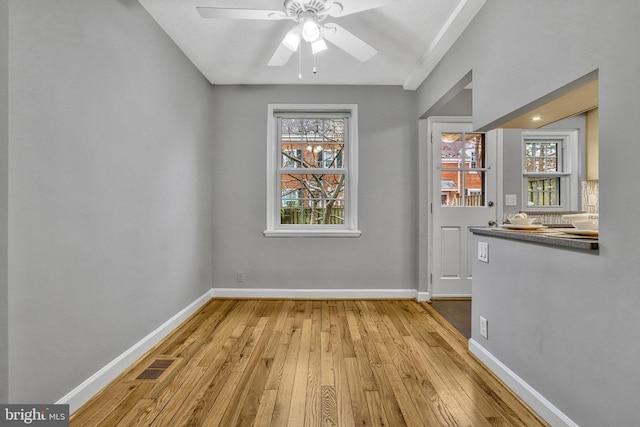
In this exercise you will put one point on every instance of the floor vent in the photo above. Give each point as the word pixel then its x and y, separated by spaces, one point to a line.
pixel 154 370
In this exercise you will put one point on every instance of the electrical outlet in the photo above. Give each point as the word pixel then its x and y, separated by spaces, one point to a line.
pixel 483 251
pixel 510 200
pixel 484 327
pixel 240 276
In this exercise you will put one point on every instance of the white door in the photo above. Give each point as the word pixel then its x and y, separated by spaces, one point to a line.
pixel 463 196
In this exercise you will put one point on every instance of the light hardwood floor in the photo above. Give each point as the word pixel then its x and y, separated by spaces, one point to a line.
pixel 308 363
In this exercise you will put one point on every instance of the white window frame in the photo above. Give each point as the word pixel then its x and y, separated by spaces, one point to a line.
pixel 568 162
pixel 274 194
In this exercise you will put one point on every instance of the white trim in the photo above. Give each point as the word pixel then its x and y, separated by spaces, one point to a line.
pixel 423 296
pixel 315 293
pixel 350 227
pixel 451 296
pixel 424 198
pixel 535 400
pixel 312 233
pixel 499 174
pixel 92 385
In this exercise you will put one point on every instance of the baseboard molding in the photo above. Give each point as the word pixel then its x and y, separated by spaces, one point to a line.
pixel 451 296
pixel 528 394
pixel 423 296
pixel 92 385
pixel 315 293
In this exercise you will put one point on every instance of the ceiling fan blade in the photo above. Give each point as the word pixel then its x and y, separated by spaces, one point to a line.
pixel 348 7
pixel 348 42
pixel 281 56
pixel 226 13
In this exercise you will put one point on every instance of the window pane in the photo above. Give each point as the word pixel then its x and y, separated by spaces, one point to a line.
pixel 453 192
pixel 474 188
pixel 312 142
pixel 449 187
pixel 474 150
pixel 550 165
pixel 543 192
pixel 329 156
pixel 292 155
pixel 312 199
pixel 451 148
pixel 542 156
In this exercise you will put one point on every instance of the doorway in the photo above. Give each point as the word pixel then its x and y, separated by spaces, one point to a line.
pixel 462 195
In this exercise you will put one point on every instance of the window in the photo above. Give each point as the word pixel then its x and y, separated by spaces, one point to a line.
pixel 312 170
pixel 550 170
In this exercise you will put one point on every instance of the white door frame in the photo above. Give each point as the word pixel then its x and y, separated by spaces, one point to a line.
pixel 425 198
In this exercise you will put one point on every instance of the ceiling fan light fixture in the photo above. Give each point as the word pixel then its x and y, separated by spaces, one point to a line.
pixel 319 45
pixel 310 28
pixel 292 40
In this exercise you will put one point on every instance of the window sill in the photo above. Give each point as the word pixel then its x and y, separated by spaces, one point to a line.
pixel 312 233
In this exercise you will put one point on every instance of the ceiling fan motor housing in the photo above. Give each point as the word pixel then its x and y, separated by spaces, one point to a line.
pixel 296 7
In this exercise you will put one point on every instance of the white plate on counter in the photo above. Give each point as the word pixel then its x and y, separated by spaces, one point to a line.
pixel 579 232
pixel 522 227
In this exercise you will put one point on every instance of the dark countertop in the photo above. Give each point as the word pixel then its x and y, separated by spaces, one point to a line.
pixel 547 236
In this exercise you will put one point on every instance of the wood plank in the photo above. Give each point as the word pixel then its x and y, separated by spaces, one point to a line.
pixel 329 406
pixel 265 409
pixel 359 403
pixel 378 417
pixel 314 391
pixel 299 393
pixel 340 345
pixel 287 376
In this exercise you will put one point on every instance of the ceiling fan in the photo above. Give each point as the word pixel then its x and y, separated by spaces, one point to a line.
pixel 309 17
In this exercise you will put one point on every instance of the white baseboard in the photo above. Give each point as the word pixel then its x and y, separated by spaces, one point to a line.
pixel 451 296
pixel 314 293
pixel 92 385
pixel 528 394
pixel 423 296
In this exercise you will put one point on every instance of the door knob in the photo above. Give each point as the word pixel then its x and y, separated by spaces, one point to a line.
pixel 490 203
pixel 492 223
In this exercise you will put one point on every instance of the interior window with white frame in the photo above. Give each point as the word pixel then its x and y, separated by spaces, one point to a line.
pixel 550 170
pixel 312 170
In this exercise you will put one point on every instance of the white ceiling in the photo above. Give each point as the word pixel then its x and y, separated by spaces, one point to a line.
pixel 411 36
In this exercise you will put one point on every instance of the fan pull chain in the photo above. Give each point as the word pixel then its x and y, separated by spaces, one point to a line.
pixel 315 70
pixel 300 63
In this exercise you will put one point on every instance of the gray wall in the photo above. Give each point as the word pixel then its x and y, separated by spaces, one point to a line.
pixel 459 105
pixel 382 258
pixel 109 188
pixel 4 144
pixel 567 323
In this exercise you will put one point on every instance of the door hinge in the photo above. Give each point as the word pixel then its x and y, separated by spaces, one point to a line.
pixel 431 278
pixel 430 207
